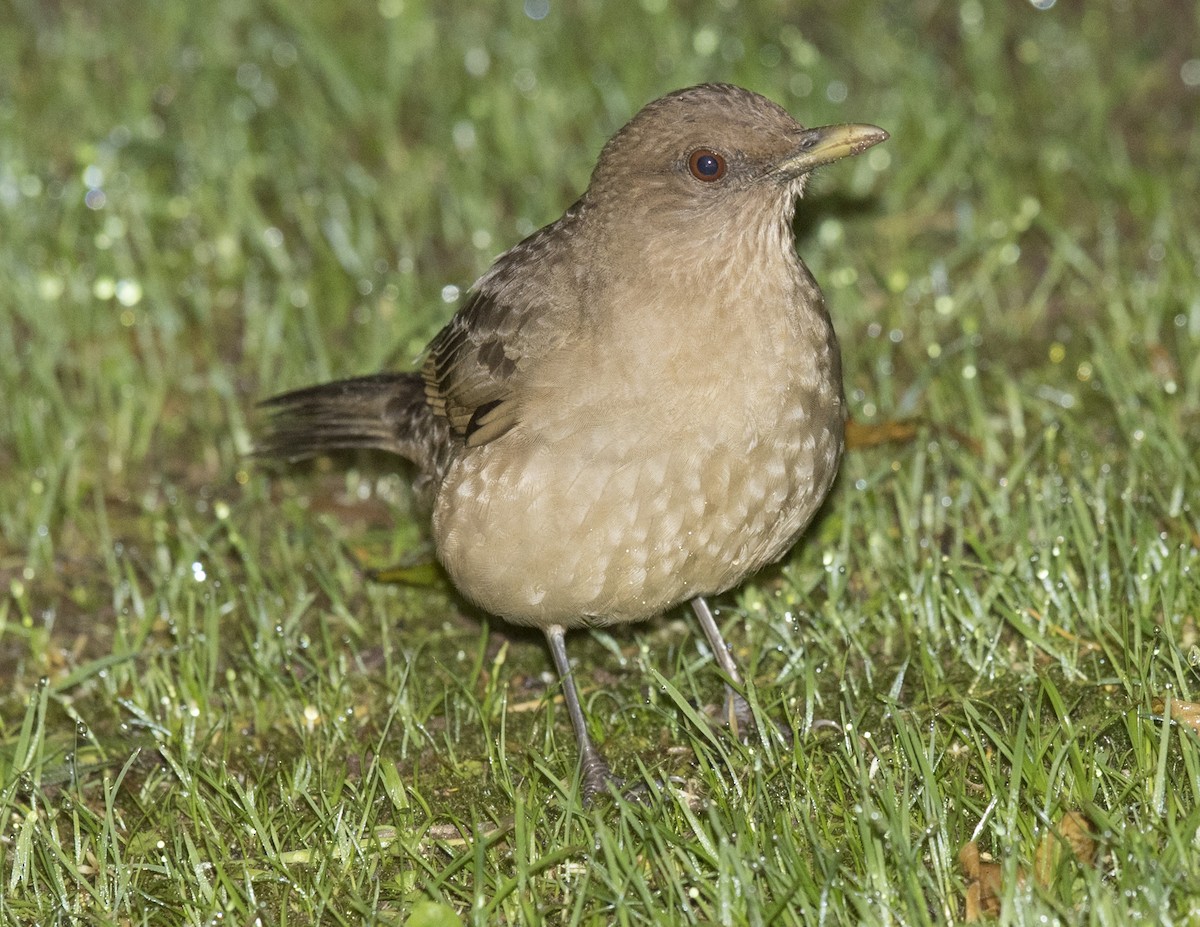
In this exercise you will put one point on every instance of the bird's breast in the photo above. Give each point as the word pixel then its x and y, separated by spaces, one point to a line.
pixel 656 469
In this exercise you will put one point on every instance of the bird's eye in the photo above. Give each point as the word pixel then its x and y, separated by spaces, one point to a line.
pixel 706 165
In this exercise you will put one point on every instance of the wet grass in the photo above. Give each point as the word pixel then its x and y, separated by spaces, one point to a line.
pixel 210 715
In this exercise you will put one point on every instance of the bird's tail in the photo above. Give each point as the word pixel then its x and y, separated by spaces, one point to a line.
pixel 387 412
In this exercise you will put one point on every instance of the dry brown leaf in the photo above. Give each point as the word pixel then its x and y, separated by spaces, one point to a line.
pixel 860 436
pixel 1184 712
pixel 983 883
pixel 1070 836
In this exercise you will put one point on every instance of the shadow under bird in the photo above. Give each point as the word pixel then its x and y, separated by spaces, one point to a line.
pixel 637 406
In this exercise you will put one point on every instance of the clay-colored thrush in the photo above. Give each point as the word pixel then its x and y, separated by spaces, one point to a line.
pixel 637 406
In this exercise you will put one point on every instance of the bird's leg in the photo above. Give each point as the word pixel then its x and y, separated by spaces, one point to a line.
pixel 595 772
pixel 737 710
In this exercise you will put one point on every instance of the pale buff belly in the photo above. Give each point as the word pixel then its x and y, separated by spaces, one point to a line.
pixel 581 532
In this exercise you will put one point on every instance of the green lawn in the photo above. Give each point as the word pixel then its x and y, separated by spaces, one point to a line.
pixel 209 715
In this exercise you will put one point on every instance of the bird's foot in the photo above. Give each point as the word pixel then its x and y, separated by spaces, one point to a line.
pixel 596 775
pixel 738 716
pixel 596 778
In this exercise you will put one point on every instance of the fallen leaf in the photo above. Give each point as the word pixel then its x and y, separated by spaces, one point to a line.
pixel 1069 837
pixel 1183 712
pixel 983 886
pixel 860 436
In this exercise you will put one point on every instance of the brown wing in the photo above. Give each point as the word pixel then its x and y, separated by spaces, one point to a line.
pixel 470 368
pixel 513 316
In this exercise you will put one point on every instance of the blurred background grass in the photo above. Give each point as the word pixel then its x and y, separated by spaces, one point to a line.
pixel 209 713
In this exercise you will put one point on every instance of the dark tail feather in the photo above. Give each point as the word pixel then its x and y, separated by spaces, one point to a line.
pixel 386 412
